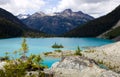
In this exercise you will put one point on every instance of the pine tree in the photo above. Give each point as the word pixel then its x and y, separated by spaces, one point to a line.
pixel 24 47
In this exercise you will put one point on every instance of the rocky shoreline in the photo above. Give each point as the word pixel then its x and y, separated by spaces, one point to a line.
pixel 108 55
pixel 76 66
pixel 59 54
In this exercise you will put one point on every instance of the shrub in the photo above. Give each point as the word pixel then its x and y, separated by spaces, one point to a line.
pixel 4 58
pixel 78 51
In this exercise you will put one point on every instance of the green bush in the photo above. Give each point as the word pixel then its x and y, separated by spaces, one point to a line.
pixel 4 58
pixel 78 51
pixel 18 68
pixel 15 70
pixel 2 73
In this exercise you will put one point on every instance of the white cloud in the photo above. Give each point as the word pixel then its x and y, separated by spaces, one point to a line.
pixel 95 8
pixel 2 2
pixel 23 6
pixel 95 1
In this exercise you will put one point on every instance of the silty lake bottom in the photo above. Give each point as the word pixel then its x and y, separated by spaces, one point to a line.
pixel 40 45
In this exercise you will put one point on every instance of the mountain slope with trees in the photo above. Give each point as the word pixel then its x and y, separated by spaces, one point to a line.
pixel 96 27
pixel 10 26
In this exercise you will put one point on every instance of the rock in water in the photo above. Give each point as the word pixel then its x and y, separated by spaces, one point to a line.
pixel 76 66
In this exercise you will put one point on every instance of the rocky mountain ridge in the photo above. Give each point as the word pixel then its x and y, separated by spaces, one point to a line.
pixel 11 26
pixel 98 26
pixel 57 23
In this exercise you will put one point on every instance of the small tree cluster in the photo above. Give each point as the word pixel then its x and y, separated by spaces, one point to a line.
pixel 57 46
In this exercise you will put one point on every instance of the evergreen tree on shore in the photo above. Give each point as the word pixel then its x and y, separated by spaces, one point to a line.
pixel 24 47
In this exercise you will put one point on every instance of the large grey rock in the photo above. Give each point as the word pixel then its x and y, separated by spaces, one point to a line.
pixel 76 66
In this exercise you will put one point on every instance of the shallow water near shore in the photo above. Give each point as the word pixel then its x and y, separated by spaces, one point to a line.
pixel 40 45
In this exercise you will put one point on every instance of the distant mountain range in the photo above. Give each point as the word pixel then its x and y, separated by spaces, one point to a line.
pixel 57 23
pixel 11 26
pixel 104 27
pixel 65 24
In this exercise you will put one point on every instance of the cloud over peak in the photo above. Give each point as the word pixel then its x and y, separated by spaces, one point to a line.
pixel 22 6
pixel 95 8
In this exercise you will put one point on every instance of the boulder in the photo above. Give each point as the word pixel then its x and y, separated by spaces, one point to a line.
pixel 76 66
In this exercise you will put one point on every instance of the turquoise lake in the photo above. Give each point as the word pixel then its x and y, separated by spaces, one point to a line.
pixel 40 45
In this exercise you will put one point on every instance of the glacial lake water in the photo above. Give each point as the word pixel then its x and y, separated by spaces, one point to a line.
pixel 40 45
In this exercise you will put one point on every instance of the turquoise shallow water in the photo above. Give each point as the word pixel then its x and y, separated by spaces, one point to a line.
pixel 40 45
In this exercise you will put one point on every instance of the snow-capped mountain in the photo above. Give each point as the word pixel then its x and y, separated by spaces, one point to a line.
pixel 57 23
pixel 23 16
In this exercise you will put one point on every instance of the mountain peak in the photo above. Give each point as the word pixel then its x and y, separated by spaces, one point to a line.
pixel 80 12
pixel 38 14
pixel 67 11
pixel 99 26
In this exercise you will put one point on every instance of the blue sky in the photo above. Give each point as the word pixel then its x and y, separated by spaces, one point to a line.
pixel 95 8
